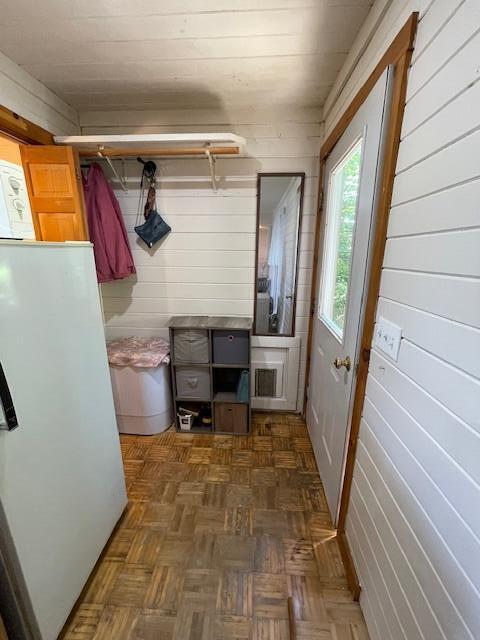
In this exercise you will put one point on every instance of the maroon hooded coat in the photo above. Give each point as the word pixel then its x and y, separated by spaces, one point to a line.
pixel 113 258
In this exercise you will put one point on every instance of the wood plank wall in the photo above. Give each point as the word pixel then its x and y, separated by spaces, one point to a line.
pixel 206 265
pixel 26 96
pixel 413 523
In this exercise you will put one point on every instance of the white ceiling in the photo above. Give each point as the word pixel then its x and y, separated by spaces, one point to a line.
pixel 153 54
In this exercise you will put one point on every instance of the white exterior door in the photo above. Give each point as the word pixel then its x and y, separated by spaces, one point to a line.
pixel 351 174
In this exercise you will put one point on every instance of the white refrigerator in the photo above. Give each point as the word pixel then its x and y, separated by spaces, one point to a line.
pixel 62 487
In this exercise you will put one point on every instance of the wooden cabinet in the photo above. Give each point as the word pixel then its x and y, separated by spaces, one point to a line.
pixel 231 418
pixel 52 174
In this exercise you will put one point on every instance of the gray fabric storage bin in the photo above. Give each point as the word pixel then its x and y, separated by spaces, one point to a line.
pixel 190 345
pixel 193 382
pixel 230 347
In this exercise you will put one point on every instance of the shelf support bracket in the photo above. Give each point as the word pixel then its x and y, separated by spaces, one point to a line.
pixel 121 180
pixel 213 176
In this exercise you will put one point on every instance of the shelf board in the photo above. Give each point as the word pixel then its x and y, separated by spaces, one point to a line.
pixel 218 365
pixel 227 396
pixel 155 144
pixel 191 364
pixel 201 429
pixel 183 399
pixel 232 433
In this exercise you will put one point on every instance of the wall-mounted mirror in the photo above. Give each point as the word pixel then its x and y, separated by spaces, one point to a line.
pixel 279 211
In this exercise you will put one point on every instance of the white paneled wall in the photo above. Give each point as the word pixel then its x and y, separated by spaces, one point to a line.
pixel 206 264
pixel 413 522
pixel 24 95
pixel 383 23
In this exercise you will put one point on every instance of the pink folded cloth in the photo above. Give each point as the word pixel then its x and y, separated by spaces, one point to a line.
pixel 138 352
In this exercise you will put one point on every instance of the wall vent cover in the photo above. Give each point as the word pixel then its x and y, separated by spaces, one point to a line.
pixel 265 383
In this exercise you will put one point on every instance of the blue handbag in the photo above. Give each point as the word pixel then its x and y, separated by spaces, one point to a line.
pixel 153 229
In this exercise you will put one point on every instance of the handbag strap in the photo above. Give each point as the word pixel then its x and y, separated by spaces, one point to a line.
pixel 150 202
pixel 147 178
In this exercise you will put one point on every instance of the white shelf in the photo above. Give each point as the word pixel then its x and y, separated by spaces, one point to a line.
pixel 157 145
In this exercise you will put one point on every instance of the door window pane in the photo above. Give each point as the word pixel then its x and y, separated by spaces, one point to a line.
pixel 343 189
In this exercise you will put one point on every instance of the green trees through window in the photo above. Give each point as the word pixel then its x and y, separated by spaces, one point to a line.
pixel 342 194
pixel 350 177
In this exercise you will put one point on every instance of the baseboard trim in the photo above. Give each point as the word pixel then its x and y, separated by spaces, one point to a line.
pixel 352 578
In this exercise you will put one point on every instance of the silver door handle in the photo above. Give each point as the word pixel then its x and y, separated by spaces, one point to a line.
pixel 9 421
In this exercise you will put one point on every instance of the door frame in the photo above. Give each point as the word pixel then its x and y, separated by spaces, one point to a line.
pixel 21 129
pixel 398 55
pixel 27 133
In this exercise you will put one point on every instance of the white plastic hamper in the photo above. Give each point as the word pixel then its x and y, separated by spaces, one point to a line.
pixel 142 396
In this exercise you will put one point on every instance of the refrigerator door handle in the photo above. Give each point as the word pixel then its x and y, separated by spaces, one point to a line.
pixel 8 416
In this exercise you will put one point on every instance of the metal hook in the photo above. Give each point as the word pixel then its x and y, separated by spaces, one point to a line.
pixel 122 181
pixel 211 162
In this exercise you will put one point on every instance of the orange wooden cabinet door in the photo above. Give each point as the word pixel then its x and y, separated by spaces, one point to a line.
pixel 52 174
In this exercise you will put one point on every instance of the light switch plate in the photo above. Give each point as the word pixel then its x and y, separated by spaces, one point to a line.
pixel 388 337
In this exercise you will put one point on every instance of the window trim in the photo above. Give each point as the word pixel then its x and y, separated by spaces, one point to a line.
pixel 329 253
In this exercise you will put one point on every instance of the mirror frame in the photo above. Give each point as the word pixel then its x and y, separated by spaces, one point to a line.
pixel 281 174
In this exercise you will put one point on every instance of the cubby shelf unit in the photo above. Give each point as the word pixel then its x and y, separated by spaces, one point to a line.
pixel 209 355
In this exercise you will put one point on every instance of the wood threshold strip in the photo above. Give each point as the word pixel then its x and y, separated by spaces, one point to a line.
pixel 399 56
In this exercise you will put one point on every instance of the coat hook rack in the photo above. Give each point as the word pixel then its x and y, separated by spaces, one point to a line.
pixel 212 162
pixel 121 180
pixel 157 145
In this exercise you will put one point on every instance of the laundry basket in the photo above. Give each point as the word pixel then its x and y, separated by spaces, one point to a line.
pixel 139 370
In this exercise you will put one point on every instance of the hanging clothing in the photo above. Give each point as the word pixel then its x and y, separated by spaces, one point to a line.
pixel 113 257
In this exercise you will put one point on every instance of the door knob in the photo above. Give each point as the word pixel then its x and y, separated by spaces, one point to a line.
pixel 343 362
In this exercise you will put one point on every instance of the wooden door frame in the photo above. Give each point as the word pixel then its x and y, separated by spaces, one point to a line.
pixel 21 129
pixel 398 55
pixel 26 133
